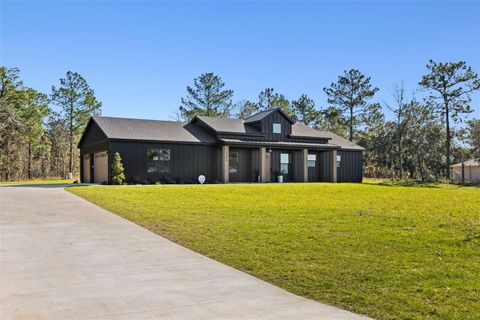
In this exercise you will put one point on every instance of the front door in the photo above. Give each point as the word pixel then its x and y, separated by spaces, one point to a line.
pixel 313 165
pixel 285 159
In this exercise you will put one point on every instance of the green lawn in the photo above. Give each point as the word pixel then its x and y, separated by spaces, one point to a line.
pixel 38 181
pixel 389 251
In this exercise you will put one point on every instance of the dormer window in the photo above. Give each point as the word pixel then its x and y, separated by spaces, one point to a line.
pixel 277 128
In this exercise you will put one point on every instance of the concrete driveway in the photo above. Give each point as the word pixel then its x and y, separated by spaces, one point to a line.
pixel 64 258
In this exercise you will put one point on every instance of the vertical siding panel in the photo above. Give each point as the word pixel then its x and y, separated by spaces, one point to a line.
pixel 351 168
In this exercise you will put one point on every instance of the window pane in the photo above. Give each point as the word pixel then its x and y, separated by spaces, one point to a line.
pixel 152 166
pixel 152 154
pixel 277 128
pixel 312 157
pixel 284 168
pixel 164 154
pixel 164 166
pixel 233 162
pixel 311 163
pixel 158 160
pixel 284 158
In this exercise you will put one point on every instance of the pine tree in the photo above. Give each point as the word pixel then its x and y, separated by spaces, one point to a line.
pixel 451 85
pixel 351 94
pixel 207 97
pixel 78 103
pixel 305 112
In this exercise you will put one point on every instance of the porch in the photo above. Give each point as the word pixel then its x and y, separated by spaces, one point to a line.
pixel 276 163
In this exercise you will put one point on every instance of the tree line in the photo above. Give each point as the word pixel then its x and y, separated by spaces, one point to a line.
pixel 35 140
pixel 419 142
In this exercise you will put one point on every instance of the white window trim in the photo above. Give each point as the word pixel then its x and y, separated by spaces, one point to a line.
pixel 277 125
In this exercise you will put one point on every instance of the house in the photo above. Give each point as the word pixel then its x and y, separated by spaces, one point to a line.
pixel 265 147
pixel 471 171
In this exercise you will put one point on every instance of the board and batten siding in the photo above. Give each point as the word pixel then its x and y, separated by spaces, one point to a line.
pixel 93 141
pixel 187 161
pixel 314 172
pixel 295 165
pixel 267 125
pixel 248 165
pixel 351 168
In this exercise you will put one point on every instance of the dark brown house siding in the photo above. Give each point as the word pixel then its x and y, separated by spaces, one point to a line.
pixel 187 161
pixel 351 168
pixel 196 149
pixel 295 166
pixel 94 140
pixel 267 125
pixel 248 165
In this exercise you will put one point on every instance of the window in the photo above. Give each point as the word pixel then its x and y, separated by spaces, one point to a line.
pixel 339 160
pixel 284 161
pixel 311 160
pixel 277 128
pixel 158 160
pixel 233 162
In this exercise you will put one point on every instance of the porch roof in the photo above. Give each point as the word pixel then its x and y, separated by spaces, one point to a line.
pixel 286 144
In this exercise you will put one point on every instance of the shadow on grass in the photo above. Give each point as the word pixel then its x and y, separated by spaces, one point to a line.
pixel 45 185
pixel 403 184
pixel 418 184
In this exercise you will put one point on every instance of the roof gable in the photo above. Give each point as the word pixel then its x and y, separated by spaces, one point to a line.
pixel 263 114
pixel 92 131
pixel 226 125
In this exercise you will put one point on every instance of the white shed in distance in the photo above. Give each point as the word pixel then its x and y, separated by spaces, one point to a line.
pixel 471 171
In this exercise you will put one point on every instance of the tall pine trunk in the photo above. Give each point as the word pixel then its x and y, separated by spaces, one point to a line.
pixel 29 160
pixel 351 124
pixel 400 157
pixel 448 140
pixel 71 140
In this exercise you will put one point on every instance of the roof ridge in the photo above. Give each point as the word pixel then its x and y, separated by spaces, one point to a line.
pixel 219 117
pixel 136 119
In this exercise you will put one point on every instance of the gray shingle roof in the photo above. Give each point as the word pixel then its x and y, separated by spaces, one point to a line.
pixel 235 126
pixel 159 130
pixel 300 130
pixel 154 130
pixel 342 142
pixel 258 116
pixel 262 114
pixel 471 162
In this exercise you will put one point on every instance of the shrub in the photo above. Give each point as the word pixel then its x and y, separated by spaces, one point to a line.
pixel 118 175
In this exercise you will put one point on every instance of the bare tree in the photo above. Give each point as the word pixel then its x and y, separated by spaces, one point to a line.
pixel 401 122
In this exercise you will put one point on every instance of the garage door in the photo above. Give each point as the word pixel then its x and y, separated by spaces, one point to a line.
pixel 100 167
pixel 86 168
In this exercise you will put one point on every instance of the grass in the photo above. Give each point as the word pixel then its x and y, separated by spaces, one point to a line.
pixel 389 251
pixel 38 181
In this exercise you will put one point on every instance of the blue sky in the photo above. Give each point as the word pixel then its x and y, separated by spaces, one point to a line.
pixel 140 56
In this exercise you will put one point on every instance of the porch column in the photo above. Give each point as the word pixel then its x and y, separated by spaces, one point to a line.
pixel 225 164
pixel 263 165
pixel 305 164
pixel 334 166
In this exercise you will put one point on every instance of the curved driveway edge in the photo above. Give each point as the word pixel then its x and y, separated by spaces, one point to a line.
pixel 62 257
